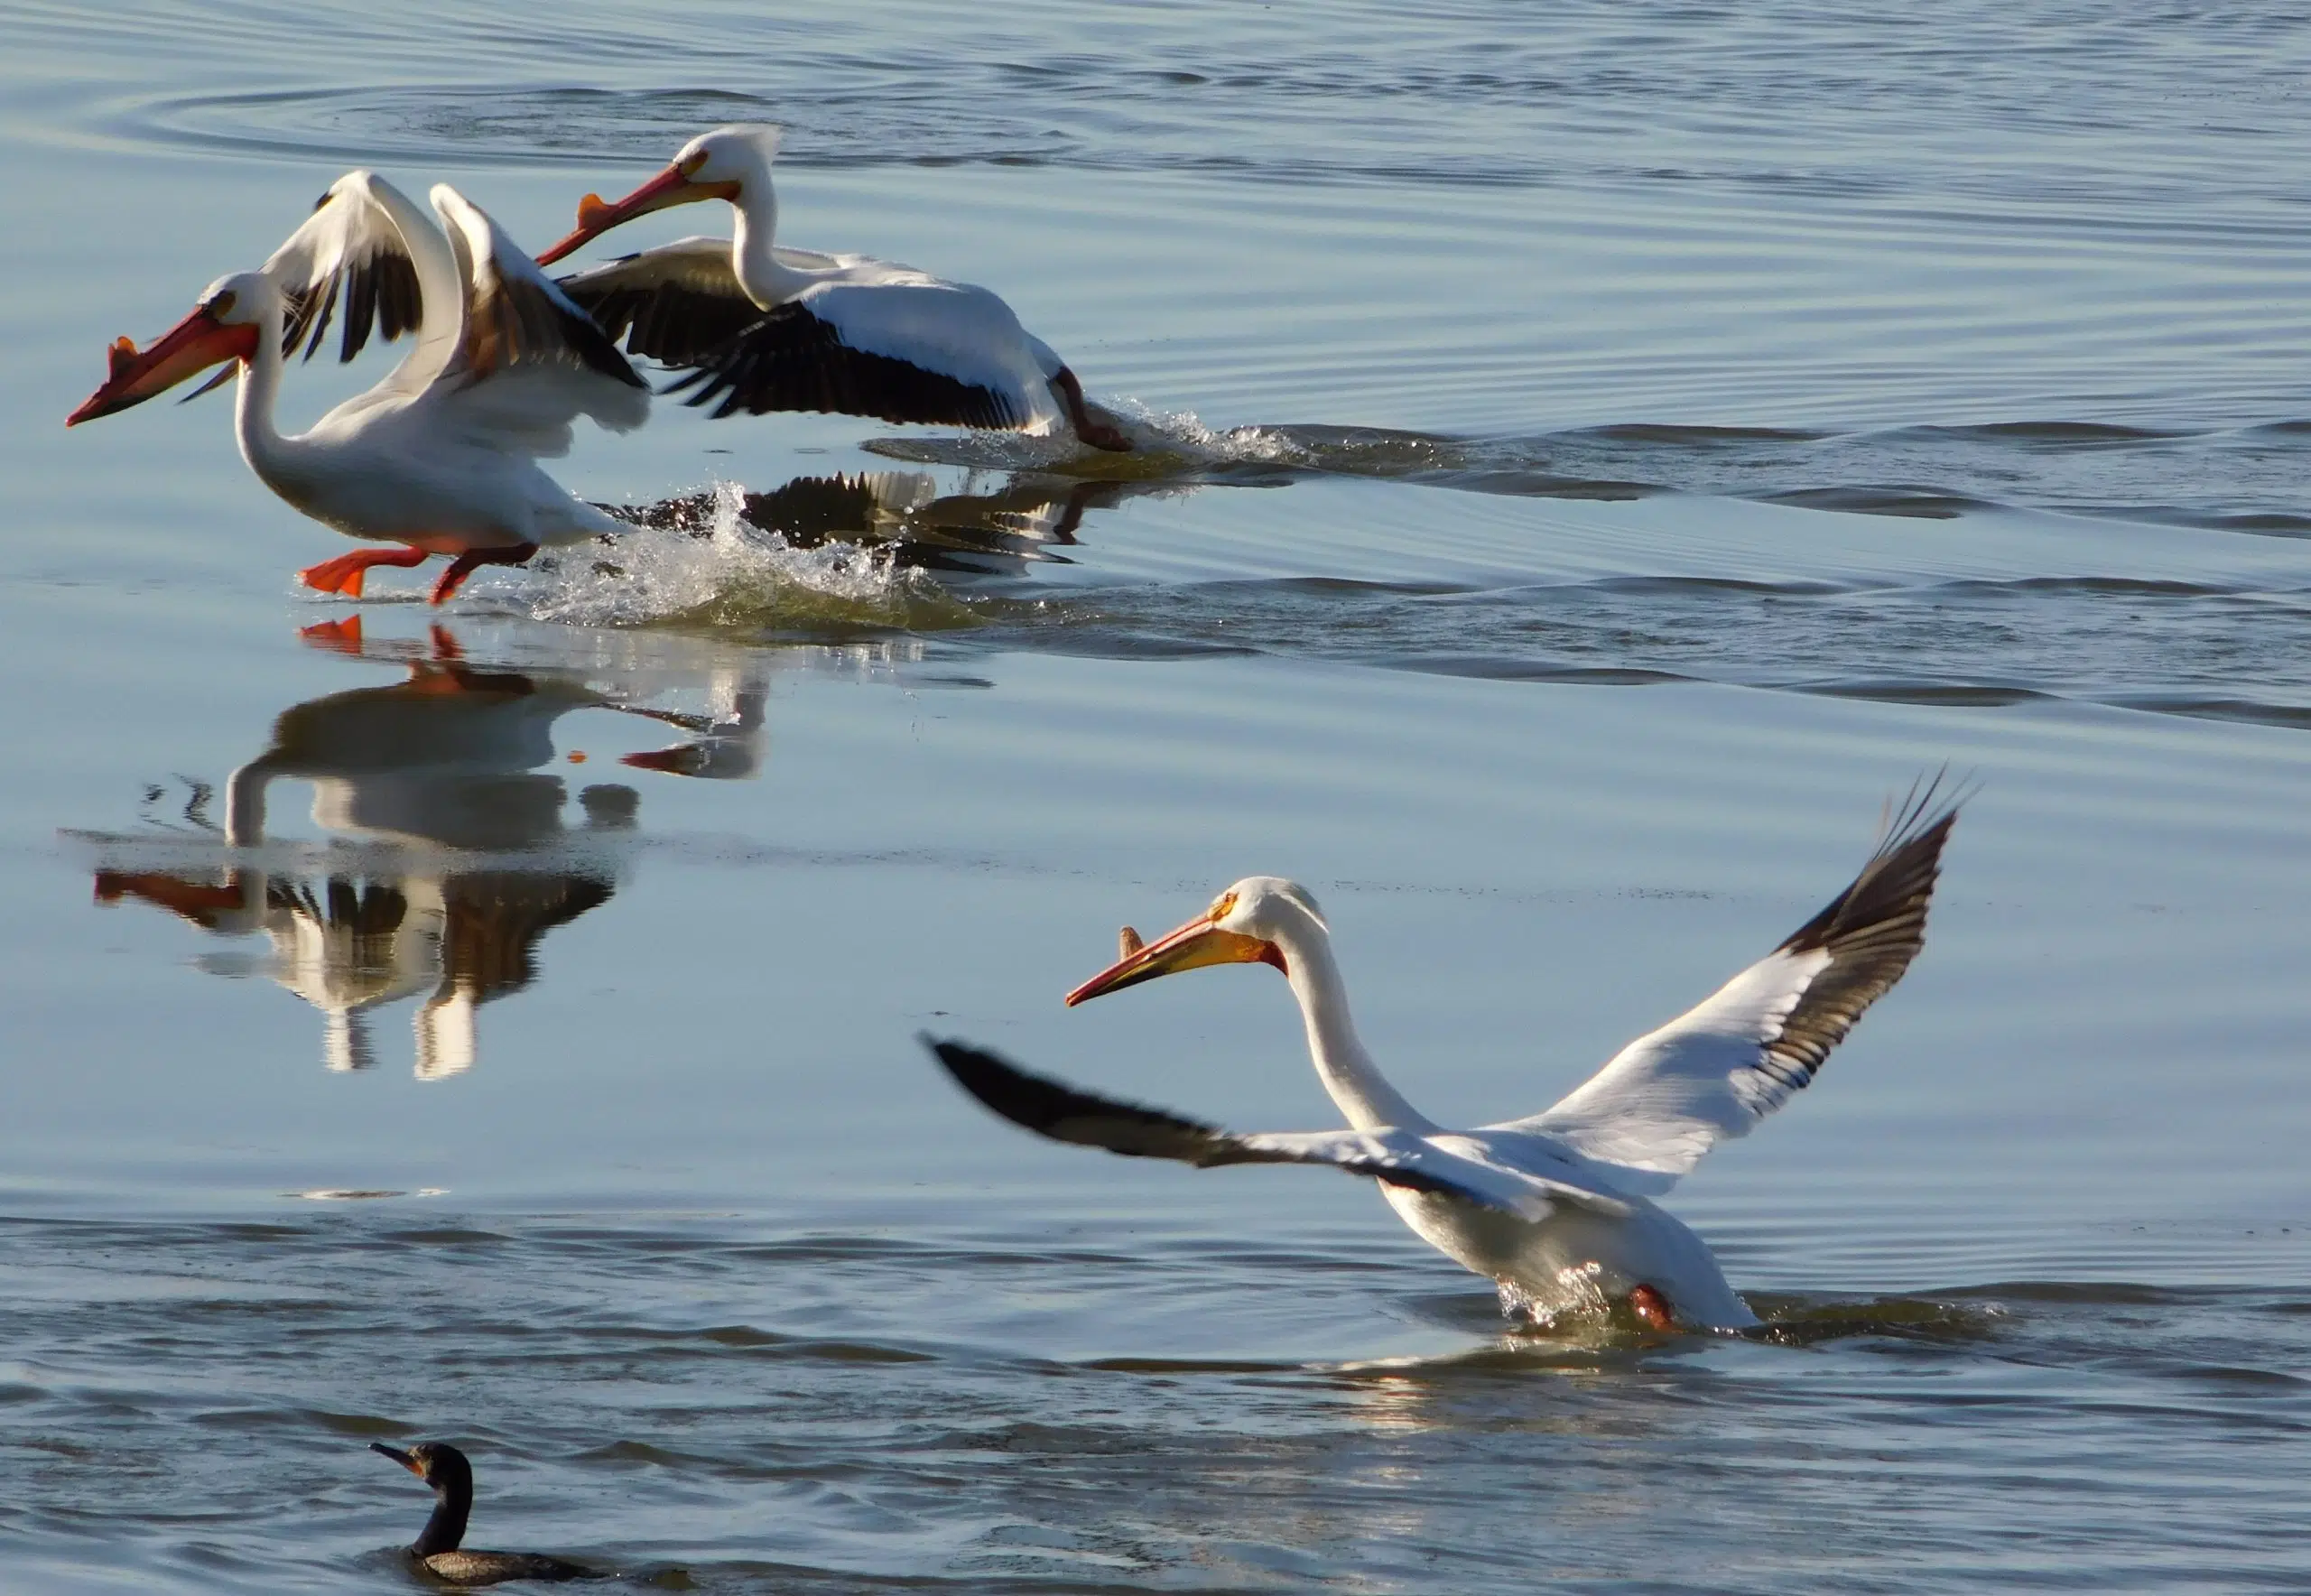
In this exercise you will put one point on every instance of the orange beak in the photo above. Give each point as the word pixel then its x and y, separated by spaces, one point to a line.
pixel 1192 946
pixel 596 215
pixel 194 344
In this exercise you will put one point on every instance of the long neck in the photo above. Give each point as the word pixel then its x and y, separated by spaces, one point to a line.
pixel 447 1528
pixel 767 282
pixel 1346 1068
pixel 244 805
pixel 268 453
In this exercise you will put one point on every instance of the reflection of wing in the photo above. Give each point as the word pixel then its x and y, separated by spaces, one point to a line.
pixel 1394 1157
pixel 674 303
pixel 1721 1067
pixel 368 244
pixel 528 361
pixel 495 920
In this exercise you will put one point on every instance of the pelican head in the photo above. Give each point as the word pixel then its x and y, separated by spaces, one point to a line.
pixel 716 165
pixel 224 326
pixel 1251 923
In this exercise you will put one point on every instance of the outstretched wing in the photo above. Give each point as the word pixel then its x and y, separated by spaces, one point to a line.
pixel 1065 1114
pixel 527 359
pixel 1717 1069
pixel 916 350
pixel 681 302
pixel 367 246
pixel 677 303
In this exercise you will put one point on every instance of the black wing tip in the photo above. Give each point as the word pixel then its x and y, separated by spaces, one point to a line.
pixel 968 1064
pixel 1018 1095
pixel 1896 883
pixel 1065 1113
pixel 1929 808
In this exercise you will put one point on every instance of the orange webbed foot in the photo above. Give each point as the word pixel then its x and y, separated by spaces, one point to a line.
pixel 346 572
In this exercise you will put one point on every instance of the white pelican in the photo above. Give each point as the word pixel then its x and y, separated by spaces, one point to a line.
pixel 441 456
pixel 763 329
pixel 1555 1208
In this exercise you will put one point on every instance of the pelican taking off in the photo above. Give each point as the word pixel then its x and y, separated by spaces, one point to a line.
pixel 1555 1208
pixel 441 456
pixel 763 329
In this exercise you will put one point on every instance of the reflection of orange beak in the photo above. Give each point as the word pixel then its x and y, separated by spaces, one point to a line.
pixel 194 344
pixel 1192 946
pixel 680 759
pixel 596 215
pixel 202 903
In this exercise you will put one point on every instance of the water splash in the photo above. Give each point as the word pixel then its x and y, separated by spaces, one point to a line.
pixel 1168 447
pixel 724 572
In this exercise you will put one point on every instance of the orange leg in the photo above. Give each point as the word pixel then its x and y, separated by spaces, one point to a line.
pixel 465 565
pixel 1652 1307
pixel 346 573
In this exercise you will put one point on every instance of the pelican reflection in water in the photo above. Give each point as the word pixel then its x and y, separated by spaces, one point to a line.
pixel 450 856
pixel 1001 528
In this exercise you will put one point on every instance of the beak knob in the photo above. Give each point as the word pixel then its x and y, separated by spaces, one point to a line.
pixel 591 210
pixel 1127 942
pixel 123 351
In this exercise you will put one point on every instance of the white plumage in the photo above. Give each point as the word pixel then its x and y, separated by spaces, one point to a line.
pixel 440 457
pixel 760 327
pixel 1555 1208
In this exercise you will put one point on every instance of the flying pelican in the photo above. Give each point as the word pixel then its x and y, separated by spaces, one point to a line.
pixel 1555 1208
pixel 763 328
pixel 441 456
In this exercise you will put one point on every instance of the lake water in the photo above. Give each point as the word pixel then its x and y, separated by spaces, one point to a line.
pixel 1592 458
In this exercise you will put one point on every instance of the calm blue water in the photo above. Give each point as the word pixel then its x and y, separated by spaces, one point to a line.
pixel 1591 461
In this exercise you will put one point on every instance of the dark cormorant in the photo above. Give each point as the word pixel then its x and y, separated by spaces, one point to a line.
pixel 444 1467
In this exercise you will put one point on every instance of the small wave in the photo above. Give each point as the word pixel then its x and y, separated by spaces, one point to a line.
pixel 2247 711
pixel 1923 503
pixel 1985 695
pixel 2058 434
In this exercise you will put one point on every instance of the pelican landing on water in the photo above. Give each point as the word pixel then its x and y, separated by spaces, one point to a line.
pixel 439 458
pixel 1555 1208
pixel 762 329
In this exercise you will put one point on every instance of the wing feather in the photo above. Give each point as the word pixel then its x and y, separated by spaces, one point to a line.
pixel 677 303
pixel 364 246
pixel 519 325
pixel 793 359
pixel 1065 1113
pixel 1719 1069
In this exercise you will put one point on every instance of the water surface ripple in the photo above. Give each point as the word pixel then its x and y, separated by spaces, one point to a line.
pixel 1587 460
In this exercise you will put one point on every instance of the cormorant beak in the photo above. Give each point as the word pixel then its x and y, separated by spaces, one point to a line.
pixel 1192 946
pixel 194 344
pixel 596 215
pixel 405 1459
